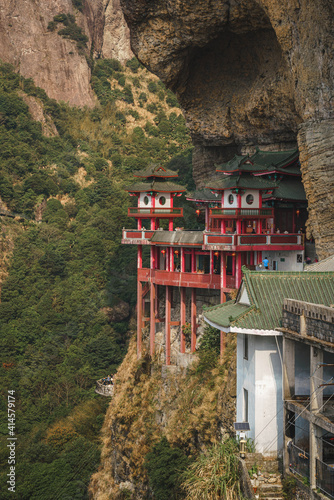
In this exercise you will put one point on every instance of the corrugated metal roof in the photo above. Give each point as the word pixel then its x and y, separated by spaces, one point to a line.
pixel 178 237
pixel 267 290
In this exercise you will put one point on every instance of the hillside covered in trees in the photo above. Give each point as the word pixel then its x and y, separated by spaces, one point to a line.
pixel 67 289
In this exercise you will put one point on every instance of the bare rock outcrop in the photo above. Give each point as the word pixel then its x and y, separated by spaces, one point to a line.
pixel 53 62
pixel 246 73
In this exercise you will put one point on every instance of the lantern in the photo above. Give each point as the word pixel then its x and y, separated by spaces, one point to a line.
pixel 198 212
pixel 163 251
pixel 176 252
pixel 216 254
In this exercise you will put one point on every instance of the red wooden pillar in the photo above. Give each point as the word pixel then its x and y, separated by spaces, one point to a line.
pixel 211 261
pixel 183 263
pixel 139 316
pixel 222 277
pixel 170 225
pixel 259 226
pixel 171 259
pixel 207 227
pixel 193 320
pixel 223 227
pixel 153 258
pixel 222 344
pixel 183 319
pixel 238 269
pixel 139 224
pixel 167 324
pixel 193 261
pixel 140 257
pixel 152 318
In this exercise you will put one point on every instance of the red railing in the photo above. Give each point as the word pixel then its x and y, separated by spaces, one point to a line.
pixel 173 278
pixel 215 240
pixel 241 213
pixel 136 236
pixel 147 213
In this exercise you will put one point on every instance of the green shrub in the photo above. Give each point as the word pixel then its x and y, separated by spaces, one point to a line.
pixel 152 87
pixel 133 64
pixel 171 100
pixel 127 95
pixel 78 4
pixel 121 80
pixel 136 83
pixel 142 97
pixel 210 341
pixel 161 95
pixel 164 465
pixel 152 108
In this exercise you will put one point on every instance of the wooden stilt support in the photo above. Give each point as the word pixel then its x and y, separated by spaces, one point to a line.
pixel 222 277
pixel 183 319
pixel 167 323
pixel 222 344
pixel 193 320
pixel 238 269
pixel 139 316
pixel 152 318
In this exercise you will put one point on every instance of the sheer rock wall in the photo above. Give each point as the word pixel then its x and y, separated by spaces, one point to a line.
pixel 53 62
pixel 249 72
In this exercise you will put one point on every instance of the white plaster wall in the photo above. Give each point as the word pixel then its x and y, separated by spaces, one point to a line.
pixel 261 375
pixel 256 201
pixel 246 379
pixel 168 200
pixel 290 263
pixel 141 200
pixel 268 396
pixel 225 198
pixel 157 202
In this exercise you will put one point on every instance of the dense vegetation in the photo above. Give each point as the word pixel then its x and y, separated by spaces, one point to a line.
pixel 67 271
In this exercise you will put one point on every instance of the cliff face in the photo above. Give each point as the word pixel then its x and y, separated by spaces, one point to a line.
pixel 192 409
pixel 52 61
pixel 249 72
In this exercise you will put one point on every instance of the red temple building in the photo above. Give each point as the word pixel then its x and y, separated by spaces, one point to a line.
pixel 254 209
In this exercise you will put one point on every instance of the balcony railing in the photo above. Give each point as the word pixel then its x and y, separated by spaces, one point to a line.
pixel 215 240
pixel 147 213
pixel 325 477
pixel 194 280
pixel 299 461
pixel 241 213
pixel 136 236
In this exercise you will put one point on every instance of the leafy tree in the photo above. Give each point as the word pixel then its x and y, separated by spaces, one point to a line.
pixel 164 466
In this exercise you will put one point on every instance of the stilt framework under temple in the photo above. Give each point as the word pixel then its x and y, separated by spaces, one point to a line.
pixel 254 209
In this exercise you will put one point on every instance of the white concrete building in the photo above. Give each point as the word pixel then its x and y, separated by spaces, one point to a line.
pixel 253 317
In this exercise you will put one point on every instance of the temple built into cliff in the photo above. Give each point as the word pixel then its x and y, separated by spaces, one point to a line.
pixel 255 212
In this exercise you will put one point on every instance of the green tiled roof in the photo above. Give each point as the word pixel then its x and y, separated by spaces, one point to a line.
pixel 155 171
pixel 242 182
pixel 156 186
pixel 259 161
pixel 225 313
pixel 203 195
pixel 288 189
pixel 266 292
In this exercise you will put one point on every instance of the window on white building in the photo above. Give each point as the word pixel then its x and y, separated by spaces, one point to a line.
pixel 245 412
pixel 245 346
